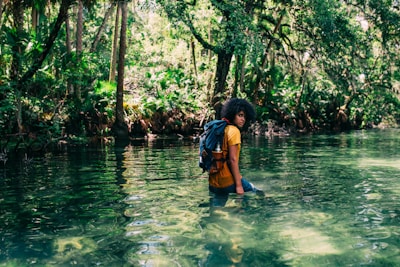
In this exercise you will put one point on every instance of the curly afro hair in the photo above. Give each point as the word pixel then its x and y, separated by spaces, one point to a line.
pixel 233 106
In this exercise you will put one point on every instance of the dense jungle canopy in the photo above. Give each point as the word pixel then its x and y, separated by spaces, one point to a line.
pixel 125 68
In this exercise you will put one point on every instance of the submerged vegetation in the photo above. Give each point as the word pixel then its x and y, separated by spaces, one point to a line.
pixel 308 66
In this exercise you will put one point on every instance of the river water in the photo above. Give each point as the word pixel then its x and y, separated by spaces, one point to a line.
pixel 330 200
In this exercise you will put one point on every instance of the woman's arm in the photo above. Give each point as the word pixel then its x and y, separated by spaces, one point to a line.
pixel 233 163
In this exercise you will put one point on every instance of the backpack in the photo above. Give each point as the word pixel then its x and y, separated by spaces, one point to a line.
pixel 213 134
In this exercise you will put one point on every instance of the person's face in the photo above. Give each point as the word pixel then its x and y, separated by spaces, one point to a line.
pixel 240 119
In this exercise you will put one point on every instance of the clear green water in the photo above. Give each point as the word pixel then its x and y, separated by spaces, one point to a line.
pixel 331 200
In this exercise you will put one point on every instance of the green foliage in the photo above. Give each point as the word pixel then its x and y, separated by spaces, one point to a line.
pixel 167 91
pixel 171 101
pixel 105 89
pixel 318 61
pixel 7 111
pixel 388 112
pixel 102 99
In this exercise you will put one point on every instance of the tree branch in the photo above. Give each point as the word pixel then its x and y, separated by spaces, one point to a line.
pixel 62 15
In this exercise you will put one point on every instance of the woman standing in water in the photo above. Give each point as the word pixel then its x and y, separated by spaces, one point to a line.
pixel 238 113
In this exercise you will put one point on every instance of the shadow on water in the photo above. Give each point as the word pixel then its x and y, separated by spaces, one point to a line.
pixel 331 200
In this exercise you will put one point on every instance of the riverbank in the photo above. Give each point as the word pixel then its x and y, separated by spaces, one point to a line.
pixel 26 144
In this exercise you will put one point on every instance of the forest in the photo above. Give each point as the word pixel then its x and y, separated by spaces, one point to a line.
pixel 79 70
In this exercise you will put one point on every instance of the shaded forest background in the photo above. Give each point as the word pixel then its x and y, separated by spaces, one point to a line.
pixel 70 70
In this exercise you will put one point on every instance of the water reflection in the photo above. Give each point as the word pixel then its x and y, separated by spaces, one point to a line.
pixel 55 211
pixel 164 190
pixel 331 200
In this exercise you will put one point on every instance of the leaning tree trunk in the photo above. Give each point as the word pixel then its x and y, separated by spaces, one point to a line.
pixel 120 128
pixel 37 63
pixel 102 27
pixel 62 15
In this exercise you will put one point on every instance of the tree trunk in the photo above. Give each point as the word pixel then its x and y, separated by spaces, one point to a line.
pixel 102 27
pixel 223 64
pixel 120 128
pixel 210 55
pixel 1 11
pixel 79 30
pixel 35 18
pixel 18 19
pixel 70 87
pixel 113 63
pixel 238 60
pixel 68 36
pixel 242 73
pixel 193 50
